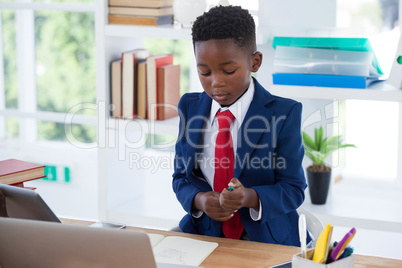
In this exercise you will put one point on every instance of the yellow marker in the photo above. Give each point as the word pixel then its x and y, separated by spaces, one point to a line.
pixel 322 245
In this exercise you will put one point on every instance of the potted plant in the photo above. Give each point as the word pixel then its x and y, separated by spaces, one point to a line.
pixel 319 174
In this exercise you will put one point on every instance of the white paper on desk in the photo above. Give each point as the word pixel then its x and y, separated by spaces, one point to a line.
pixel 183 250
pixel 155 239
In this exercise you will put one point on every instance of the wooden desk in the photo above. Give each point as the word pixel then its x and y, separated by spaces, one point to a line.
pixel 237 253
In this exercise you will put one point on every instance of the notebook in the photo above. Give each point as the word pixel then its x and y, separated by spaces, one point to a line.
pixel 180 250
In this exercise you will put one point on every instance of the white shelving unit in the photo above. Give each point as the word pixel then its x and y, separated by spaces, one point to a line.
pixel 378 92
pixel 122 189
pixel 126 190
pixel 169 31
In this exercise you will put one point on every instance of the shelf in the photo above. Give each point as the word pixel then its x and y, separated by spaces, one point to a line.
pixel 166 31
pixel 379 91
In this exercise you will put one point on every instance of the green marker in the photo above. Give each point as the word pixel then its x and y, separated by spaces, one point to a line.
pixel 230 188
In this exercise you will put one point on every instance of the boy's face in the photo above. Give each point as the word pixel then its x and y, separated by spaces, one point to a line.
pixel 225 69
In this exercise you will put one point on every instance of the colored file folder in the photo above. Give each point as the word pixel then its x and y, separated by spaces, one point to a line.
pixel 337 43
pixel 304 60
pixel 319 80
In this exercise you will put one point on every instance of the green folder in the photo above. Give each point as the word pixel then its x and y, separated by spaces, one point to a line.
pixel 338 43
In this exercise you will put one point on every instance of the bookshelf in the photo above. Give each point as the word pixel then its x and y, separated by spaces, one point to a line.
pixel 126 189
pixel 166 31
pixel 123 188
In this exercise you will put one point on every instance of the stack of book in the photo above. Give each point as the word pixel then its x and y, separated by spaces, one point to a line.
pixel 15 172
pixel 141 12
pixel 325 62
pixel 145 86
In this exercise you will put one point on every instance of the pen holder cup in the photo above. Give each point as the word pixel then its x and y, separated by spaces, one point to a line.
pixel 299 262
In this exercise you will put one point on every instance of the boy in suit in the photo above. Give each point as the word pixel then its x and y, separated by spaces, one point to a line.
pixel 238 171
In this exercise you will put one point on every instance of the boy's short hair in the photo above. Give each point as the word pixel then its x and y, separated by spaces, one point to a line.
pixel 226 22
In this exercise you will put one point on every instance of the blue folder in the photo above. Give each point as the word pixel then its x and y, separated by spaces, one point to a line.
pixel 321 80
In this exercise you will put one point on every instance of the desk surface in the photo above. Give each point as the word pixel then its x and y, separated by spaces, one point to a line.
pixel 238 253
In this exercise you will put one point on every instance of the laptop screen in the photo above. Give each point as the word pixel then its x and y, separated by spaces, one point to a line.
pixel 26 204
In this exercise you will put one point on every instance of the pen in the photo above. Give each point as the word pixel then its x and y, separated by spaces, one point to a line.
pixel 232 187
pixel 347 252
pixel 302 234
pixel 340 247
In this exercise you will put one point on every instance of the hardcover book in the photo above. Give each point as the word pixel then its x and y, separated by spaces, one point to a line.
pixel 115 79
pixel 168 91
pixel 141 3
pixel 140 20
pixel 132 11
pixel 16 172
pixel 129 84
pixel 142 90
pixel 153 63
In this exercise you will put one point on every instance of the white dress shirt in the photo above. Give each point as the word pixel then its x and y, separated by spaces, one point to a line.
pixel 206 160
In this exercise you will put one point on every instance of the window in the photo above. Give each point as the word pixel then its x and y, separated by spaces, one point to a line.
pixel 48 63
pixel 47 68
pixel 372 125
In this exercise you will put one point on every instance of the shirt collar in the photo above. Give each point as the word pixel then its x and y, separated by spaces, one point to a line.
pixel 238 108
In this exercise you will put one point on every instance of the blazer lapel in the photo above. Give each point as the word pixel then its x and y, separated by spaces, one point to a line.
pixel 198 114
pixel 254 125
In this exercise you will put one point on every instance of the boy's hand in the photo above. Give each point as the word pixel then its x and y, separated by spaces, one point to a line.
pixel 208 202
pixel 233 199
pixel 239 197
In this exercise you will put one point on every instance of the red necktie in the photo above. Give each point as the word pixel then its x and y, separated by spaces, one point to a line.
pixel 224 165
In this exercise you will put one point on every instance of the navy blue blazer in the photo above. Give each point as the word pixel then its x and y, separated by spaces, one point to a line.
pixel 268 159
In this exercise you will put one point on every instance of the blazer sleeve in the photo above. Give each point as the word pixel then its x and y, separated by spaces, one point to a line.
pixel 287 193
pixel 184 190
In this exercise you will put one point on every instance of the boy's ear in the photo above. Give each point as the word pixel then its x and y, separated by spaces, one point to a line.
pixel 256 61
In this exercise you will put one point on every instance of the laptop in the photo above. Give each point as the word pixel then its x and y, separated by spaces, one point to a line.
pixel 29 243
pixel 24 203
pixel 27 204
pixel 34 237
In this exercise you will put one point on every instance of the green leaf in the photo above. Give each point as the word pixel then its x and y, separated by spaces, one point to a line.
pixel 318 134
pixel 315 156
pixel 329 142
pixel 307 141
pixel 347 145
pixel 310 155
pixel 319 149
pixel 323 146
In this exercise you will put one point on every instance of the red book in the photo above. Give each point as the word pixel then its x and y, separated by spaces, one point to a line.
pixel 153 63
pixel 129 60
pixel 15 172
pixel 168 91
